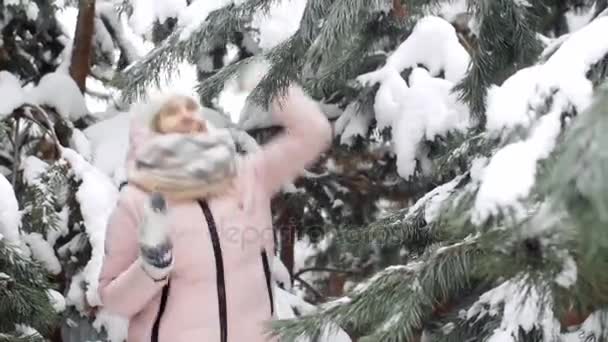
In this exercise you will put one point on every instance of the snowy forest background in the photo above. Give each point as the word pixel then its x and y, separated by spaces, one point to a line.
pixel 464 197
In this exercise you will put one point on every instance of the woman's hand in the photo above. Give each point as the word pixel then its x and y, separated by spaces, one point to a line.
pixel 155 246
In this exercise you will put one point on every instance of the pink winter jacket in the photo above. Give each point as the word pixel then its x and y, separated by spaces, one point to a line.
pixel 199 302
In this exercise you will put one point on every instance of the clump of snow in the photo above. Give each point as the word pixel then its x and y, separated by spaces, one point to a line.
pixel 75 296
pixel 388 104
pixel 10 216
pixel 13 95
pixel 97 197
pixel 66 17
pixel 286 302
pixel 62 226
pixel 132 44
pixel 434 44
pixel 43 252
pixel 81 144
pixel 352 123
pixel 522 307
pixel 433 200
pixel 33 168
pixel 26 330
pixel 511 172
pixel 57 300
pixel 117 327
pixel 102 39
pixel 477 168
pixel 32 10
pixel 304 254
pixel 98 105
pixel 577 19
pixel 280 23
pixel 30 7
pixel 191 18
pixel 109 141
pixel 59 91
pixel 280 274
pixel 233 97
pixel 508 105
pixel 567 277
pixel 146 12
pixel 450 10
pixel 422 111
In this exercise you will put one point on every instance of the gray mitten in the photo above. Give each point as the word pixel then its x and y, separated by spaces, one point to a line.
pixel 155 246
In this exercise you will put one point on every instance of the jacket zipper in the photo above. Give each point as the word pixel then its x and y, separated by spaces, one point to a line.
pixel 268 280
pixel 219 266
pixel 161 311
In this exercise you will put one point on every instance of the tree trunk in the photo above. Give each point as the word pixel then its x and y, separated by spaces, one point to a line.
pixel 288 239
pixel 398 9
pixel 83 43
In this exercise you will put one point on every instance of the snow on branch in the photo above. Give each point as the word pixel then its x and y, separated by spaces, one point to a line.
pixel 55 90
pixel 10 216
pixel 97 197
pixel 434 44
pixel 536 98
pixel 523 305
pixel 188 41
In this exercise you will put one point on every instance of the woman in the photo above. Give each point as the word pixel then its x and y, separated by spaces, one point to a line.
pixel 192 264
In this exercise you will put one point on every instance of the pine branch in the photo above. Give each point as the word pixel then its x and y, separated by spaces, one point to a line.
pixel 286 67
pixel 336 34
pixel 40 200
pixel 446 273
pixel 393 304
pixel 354 59
pixel 323 269
pixel 335 54
pixel 166 58
pixel 23 297
pixel 367 306
pixel 452 326
pixel 507 43
pixel 314 12
pixel 455 154
pixel 578 186
pixel 18 337
pixel 309 287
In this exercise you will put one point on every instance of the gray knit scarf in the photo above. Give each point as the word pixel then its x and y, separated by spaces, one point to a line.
pixel 185 166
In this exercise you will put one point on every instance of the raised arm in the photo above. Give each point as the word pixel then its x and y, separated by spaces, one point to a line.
pixel 307 133
pixel 124 286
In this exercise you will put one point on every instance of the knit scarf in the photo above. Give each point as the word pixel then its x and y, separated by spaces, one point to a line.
pixel 185 166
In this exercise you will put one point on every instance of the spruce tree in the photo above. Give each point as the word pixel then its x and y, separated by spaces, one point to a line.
pixel 414 236
pixel 48 266
pixel 455 259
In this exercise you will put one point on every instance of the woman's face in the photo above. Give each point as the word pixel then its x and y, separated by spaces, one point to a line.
pixel 180 116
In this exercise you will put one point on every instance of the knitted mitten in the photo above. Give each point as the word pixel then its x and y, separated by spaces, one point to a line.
pixel 155 246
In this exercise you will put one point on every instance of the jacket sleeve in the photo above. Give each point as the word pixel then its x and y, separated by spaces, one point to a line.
pixel 307 133
pixel 124 287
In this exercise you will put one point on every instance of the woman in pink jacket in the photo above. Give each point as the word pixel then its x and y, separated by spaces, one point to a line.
pixel 190 243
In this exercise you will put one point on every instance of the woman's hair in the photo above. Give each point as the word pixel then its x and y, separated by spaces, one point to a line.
pixel 171 105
